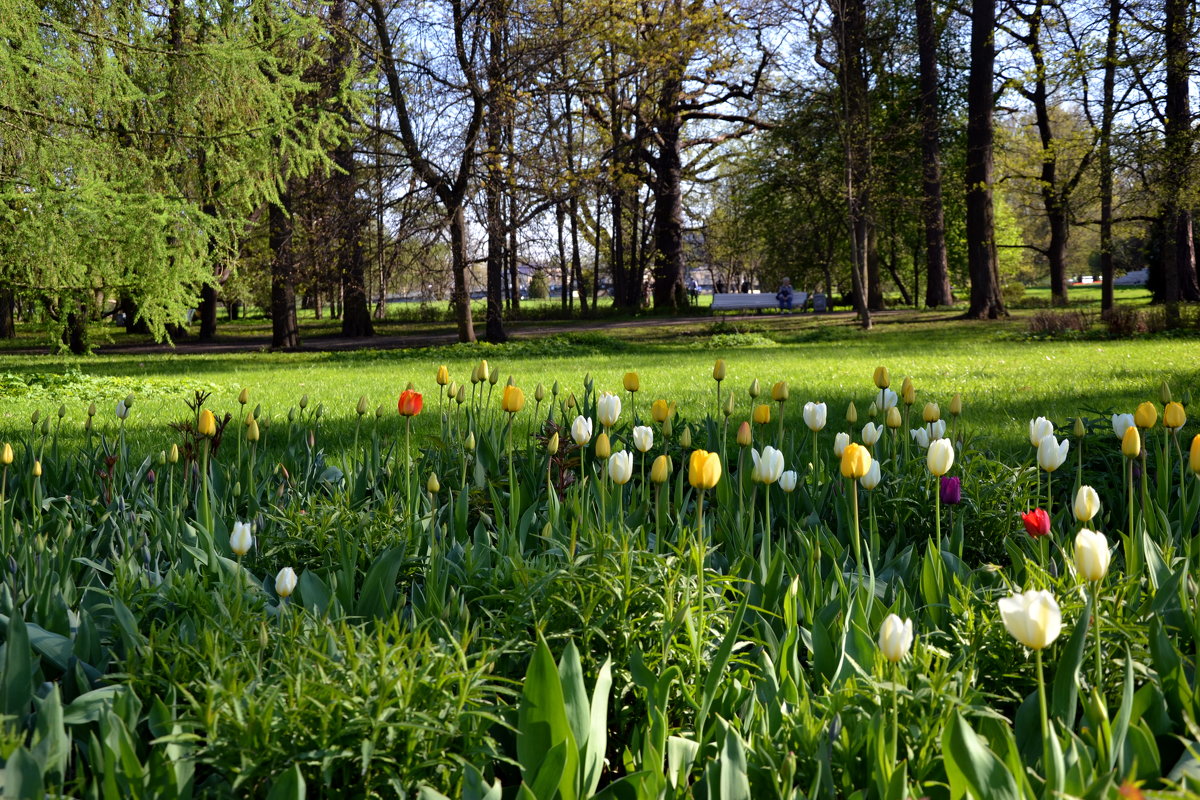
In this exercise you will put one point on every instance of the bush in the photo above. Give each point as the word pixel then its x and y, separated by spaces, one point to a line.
pixel 1054 323
pixel 1013 292
pixel 539 289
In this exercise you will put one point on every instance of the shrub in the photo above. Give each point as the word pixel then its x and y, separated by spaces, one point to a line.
pixel 1054 323
pixel 539 289
pixel 1014 293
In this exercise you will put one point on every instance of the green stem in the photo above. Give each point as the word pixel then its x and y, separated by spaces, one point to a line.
pixel 1096 632
pixel 857 538
pixel 1045 719
pixel 1050 494
pixel 896 711
pixel 205 507
pixel 408 474
pixel 937 510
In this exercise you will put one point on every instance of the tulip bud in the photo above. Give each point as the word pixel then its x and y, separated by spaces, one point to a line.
pixel 539 393
pixel 173 454
pixel 1092 555
pixel 931 413
pixel 443 375
pixel 493 377
pixel 744 437
pixel 162 457
pixel 1194 454
pixel 895 638
pixel 484 371
pixel 320 412
pixel 872 410
pixel 779 392
pixel 631 382
pixel 1080 428
pixel 432 486
pixel 951 490
pixel 244 396
pixel 469 442
pixel 907 393
pixel 6 455
pixel 1146 415
pixel 852 413
pixel 285 582
pixel 37 469
pixel 258 411
pixel 728 410
pixel 303 402
pixel 667 428
pixel 460 396
pixel 718 372
pixel 1131 443
pixel 1087 504
pixel 787 481
pixel 571 400
pixel 241 540
pixel 252 433
pixel 755 390
pixel 555 389
pixel 510 381
pixel 361 408
pixel 380 410
pixel 91 410
pixel 1174 417
pixel 552 444
pixel 661 469
pixel 207 425
pixel 62 411
pixel 685 439
pixel 956 405
pixel 292 414
pixel 883 378
pixel 45 426
pixel 1164 393
pixel 34 417
pixel 603 447
pixel 893 418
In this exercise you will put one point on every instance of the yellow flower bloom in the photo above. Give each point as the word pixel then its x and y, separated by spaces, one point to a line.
pixel 252 432
pixel 208 423
pixel 856 460
pixel 552 445
pixel 244 396
pixel 883 378
pixel 719 370
pixel 1146 415
pixel 779 392
pixel 513 400
pixel 660 410
pixel 762 414
pixel 433 486
pixel 907 392
pixel 6 455
pixel 931 413
pixel 1194 455
pixel 603 447
pixel 661 470
pixel 1174 416
pixel 704 469
pixel 443 375
pixel 893 418
pixel 1131 443
pixel 632 382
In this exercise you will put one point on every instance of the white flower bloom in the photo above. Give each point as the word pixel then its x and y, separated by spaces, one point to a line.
pixel 1039 429
pixel 1051 454
pixel 241 540
pixel 122 410
pixel 895 638
pixel 787 481
pixel 581 430
pixel 285 582
pixel 1121 423
pixel 886 399
pixel 643 438
pixel 873 476
pixel 620 467
pixel 768 467
pixel 920 436
pixel 839 443
pixel 608 409
pixel 1033 618
pixel 871 433
pixel 1092 555
pixel 814 415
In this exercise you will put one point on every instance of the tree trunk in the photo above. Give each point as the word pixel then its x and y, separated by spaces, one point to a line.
pixel 668 215
pixel 461 296
pixel 207 312
pixel 285 333
pixel 494 179
pixel 1179 254
pixel 8 324
pixel 850 27
pixel 937 274
pixel 986 302
pixel 1105 154
pixel 576 265
pixel 74 335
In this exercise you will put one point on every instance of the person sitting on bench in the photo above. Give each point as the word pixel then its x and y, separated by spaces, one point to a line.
pixel 784 295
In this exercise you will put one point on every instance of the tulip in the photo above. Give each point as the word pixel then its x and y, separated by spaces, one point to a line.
pixel 1087 504
pixel 1092 555
pixel 886 399
pixel 91 410
pixel 1174 417
pixel 285 582
pixel 512 399
pixel 6 455
pixel 839 443
pixel 361 408
pixel 1194 454
pixel 1146 415
pixel 482 371
pixel 661 469
pixel 951 490
pixel 1164 392
pixel 608 409
pixel 762 414
pixel 685 438
pixel 555 389
pixel 122 411
pixel 1131 442
pixel 920 436
pixel 768 467
pixel 304 400
pixel 244 396
pixel 469 442
pixel 895 638
pixel 872 410
pixel 410 403
pixel 433 485
pixel 851 413
pixel 461 395
pixel 443 375
pixel 814 416
pixel 1121 423
pixel 620 467
pixel 931 413
pixel 603 446
pixel 1037 523
pixel 728 409
pixel 1039 429
pixel 1080 429
pixel 643 438
pixel 956 405
pixel 172 454
pixel 779 392
pixel 940 457
pixel 787 481
pixel 883 378
pixel 208 423
pixel 241 540
pixel 632 382
pixel 873 476
pixel 552 444
pixel 37 469
pixel 871 433
pixel 893 418
pixel 907 393
pixel 660 410
pixel 252 432
pixel 856 460
pixel 718 372
pixel 581 430
pixel 755 390
pixel 704 469
pixel 1051 453
pixel 1033 618
pixel 744 436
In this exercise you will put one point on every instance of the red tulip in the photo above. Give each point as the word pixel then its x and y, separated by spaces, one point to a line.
pixel 1037 522
pixel 410 403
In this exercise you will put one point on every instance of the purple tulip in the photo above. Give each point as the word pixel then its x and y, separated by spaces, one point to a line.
pixel 951 491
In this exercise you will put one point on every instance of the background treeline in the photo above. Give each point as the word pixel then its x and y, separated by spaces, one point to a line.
pixel 167 162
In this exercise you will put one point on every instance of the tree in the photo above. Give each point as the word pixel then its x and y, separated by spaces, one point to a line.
pixel 1179 251
pixel 937 275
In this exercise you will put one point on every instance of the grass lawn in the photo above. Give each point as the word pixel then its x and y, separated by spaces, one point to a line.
pixel 1004 377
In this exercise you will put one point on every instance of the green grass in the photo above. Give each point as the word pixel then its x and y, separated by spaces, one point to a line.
pixel 1004 378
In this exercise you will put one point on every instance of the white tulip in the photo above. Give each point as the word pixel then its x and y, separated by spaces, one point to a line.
pixel 122 410
pixel 937 430
pixel 895 638
pixel 886 399
pixel 1087 504
pixel 581 430
pixel 839 443
pixel 1039 429
pixel 643 438
pixel 768 467
pixel 871 433
pixel 285 582
pixel 620 467
pixel 1092 555
pixel 1033 618
pixel 608 409
pixel 940 457
pixel 1121 423
pixel 873 476
pixel 241 540
pixel 814 416
pixel 1051 454
pixel 920 436
pixel 787 481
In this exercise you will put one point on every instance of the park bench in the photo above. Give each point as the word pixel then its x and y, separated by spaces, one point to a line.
pixel 754 300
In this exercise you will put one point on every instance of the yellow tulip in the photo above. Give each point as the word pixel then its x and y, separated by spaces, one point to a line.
pixel 907 393
pixel 252 433
pixel 37 469
pixel 893 418
pixel 1131 443
pixel 660 410
pixel 208 423
pixel 362 406
pixel 883 378
pixel 244 397
pixel 744 437
pixel 539 393
pixel 1174 416
pixel 956 405
pixel 931 413
pixel 779 392
pixel 513 399
pixel 632 382
pixel 433 486
pixel 856 460
pixel 755 389
pixel 483 371
pixel 443 375
pixel 552 444
pixel 173 455
pixel 603 447
pixel 6 455
pixel 704 469
pixel 1146 415
pixel 719 370
pixel 661 470
pixel 852 413
pixel 1194 455
pixel 762 414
